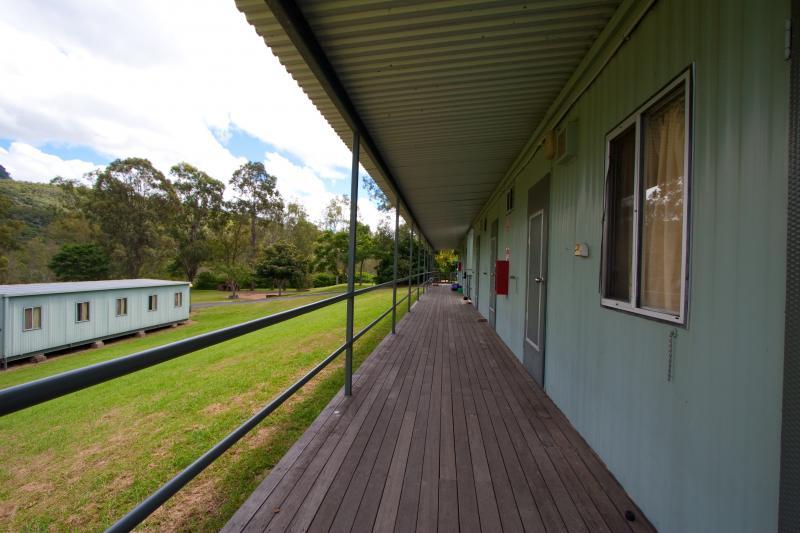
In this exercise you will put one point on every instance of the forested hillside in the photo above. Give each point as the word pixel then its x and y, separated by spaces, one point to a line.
pixel 130 220
pixel 35 225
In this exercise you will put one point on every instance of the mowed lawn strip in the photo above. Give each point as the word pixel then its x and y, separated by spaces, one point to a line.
pixel 203 296
pixel 84 460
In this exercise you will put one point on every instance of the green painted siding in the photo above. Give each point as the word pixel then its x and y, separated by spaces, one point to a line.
pixel 59 326
pixel 700 453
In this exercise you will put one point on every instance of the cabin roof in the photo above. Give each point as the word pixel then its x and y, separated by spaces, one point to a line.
pixel 31 289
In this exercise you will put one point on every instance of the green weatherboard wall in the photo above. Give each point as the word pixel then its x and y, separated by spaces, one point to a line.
pixel 700 453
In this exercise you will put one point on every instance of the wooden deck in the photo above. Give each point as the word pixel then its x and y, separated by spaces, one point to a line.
pixel 445 431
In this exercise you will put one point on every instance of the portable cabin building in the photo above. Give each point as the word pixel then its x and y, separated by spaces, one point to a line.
pixel 636 162
pixel 44 317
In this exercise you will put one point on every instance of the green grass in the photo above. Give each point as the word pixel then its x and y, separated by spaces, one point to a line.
pixel 84 460
pixel 203 296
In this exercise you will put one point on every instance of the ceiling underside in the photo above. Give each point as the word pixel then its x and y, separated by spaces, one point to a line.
pixel 450 91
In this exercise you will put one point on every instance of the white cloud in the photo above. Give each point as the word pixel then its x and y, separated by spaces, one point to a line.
pixel 25 160
pixel 154 79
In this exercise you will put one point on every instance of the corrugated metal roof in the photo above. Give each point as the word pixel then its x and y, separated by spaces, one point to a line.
pixel 449 90
pixel 30 289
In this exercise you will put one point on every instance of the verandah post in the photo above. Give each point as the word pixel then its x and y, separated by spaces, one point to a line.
pixel 410 265
pixel 351 268
pixel 396 252
pixel 419 264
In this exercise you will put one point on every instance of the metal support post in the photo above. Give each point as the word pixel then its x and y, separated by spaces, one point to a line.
pixel 351 268
pixel 396 253
pixel 419 263
pixel 410 265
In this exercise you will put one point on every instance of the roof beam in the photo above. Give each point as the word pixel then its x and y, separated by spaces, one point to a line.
pixel 294 23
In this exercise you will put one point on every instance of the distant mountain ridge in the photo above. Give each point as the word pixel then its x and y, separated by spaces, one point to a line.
pixel 4 175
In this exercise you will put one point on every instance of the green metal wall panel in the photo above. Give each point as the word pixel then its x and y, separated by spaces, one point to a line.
pixel 59 327
pixel 700 453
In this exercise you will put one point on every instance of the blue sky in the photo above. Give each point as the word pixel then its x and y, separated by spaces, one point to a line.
pixel 184 80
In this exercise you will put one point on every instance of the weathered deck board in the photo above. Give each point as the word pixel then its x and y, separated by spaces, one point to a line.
pixel 445 431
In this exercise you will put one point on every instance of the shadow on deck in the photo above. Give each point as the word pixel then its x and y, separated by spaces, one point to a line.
pixel 445 431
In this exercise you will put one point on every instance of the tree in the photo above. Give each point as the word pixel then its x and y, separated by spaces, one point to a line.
pixel 131 202
pixel 200 201
pixel 365 247
pixel 80 262
pixel 299 230
pixel 8 230
pixel 228 245
pixel 330 252
pixel 376 194
pixel 446 261
pixel 337 214
pixel 257 198
pixel 281 263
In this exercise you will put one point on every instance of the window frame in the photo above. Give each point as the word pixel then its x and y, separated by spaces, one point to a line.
pixel 633 305
pixel 78 313
pixel 123 299
pixel 154 299
pixel 31 309
pixel 177 299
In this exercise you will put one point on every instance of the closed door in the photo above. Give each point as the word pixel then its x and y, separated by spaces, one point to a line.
pixel 493 274
pixel 536 281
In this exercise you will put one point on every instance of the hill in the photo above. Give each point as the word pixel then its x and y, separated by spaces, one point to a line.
pixel 34 205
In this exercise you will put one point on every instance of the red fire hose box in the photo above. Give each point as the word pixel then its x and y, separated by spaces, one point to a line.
pixel 501 277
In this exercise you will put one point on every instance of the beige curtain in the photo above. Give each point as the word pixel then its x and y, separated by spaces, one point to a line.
pixel 663 181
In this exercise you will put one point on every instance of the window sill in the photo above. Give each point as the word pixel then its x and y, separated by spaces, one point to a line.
pixel 626 307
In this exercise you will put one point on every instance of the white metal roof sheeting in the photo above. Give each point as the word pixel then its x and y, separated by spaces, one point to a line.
pixel 30 289
pixel 450 90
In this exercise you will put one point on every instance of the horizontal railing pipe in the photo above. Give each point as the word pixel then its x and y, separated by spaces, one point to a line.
pixel 26 395
pixel 19 397
pixel 159 497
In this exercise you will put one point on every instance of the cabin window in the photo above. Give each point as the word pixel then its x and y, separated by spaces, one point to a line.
pixel 32 318
pixel 82 312
pixel 152 302
pixel 178 299
pixel 122 307
pixel 646 208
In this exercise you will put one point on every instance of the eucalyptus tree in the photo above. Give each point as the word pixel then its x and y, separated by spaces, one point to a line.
pixel 131 202
pixel 257 198
pixel 199 214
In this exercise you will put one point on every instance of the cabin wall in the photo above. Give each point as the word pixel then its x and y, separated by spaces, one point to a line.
pixel 699 453
pixel 59 326
pixel 3 304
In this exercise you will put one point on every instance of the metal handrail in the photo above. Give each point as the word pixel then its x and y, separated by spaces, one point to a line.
pixel 25 395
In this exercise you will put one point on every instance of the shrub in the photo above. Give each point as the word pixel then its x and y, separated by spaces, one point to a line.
pixel 207 281
pixel 324 279
pixel 366 277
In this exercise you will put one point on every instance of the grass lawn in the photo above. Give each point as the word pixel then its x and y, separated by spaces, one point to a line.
pixel 82 461
pixel 202 296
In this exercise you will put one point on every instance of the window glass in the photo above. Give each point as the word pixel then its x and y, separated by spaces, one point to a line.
pixel 152 302
pixel 621 174
pixel 646 226
pixel 663 191
pixel 122 306
pixel 178 299
pixel 82 311
pixel 33 318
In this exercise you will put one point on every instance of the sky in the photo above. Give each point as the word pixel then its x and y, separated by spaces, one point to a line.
pixel 85 82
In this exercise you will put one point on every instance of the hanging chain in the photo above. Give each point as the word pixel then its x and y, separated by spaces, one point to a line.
pixel 670 345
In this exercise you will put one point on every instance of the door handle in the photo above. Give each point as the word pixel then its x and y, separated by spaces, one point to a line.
pixel 537 279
